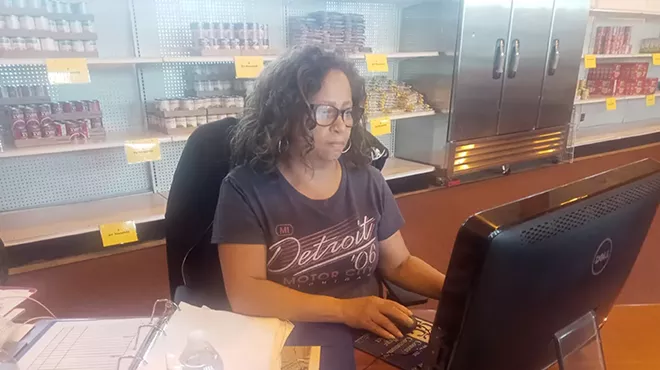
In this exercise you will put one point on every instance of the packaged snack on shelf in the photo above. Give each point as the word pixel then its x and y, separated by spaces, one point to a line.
pixel 388 96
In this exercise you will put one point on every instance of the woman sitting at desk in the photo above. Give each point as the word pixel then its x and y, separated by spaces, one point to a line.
pixel 304 221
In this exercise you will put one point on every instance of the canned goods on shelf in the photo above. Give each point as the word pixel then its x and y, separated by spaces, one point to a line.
pixel 5 43
pixel 198 103
pixel 56 107
pixel 53 25
pixel 18 43
pixel 34 4
pixel 3 24
pixel 181 122
pixel 18 3
pixel 169 123
pixel 88 26
pixel 78 106
pixel 66 7
pixel 48 44
pixel 202 120
pixel 191 121
pixel 63 26
pixel 79 8
pixel 187 104
pixel 33 43
pixel 67 106
pixel 65 45
pixel 42 23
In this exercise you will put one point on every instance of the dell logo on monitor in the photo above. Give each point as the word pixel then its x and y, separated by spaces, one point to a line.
pixel 602 257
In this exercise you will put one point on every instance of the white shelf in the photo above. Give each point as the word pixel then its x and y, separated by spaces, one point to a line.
pixel 396 168
pixel 113 140
pixel 634 13
pixel 618 98
pixel 195 59
pixel 33 225
pixel 37 224
pixel 603 133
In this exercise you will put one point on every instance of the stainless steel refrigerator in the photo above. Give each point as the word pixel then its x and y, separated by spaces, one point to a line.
pixel 508 79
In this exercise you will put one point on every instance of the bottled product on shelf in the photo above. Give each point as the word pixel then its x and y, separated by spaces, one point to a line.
pixel 213 79
pixel 617 79
pixel 52 123
pixel 330 29
pixel 175 116
pixel 33 28
pixel 389 96
pixel 216 38
pixel 650 45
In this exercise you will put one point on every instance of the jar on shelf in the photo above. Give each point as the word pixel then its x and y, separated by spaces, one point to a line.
pixel 89 45
pixel 53 25
pixel 12 22
pixel 32 43
pixel 79 8
pixel 5 43
pixel 75 26
pixel 88 26
pixel 65 45
pixel 63 26
pixel 78 46
pixel 48 44
pixel 26 22
pixel 169 123
pixel 18 43
pixel 181 122
pixel 42 23
pixel 191 121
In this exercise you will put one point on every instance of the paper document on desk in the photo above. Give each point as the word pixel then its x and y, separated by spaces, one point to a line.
pixel 84 344
pixel 242 342
pixel 12 297
pixel 301 358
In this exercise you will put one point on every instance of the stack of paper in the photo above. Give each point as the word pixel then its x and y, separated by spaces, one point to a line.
pixel 243 342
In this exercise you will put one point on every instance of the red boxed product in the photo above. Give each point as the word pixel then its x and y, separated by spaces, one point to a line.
pixel 632 87
pixel 599 88
pixel 18 128
pixel 651 86
pixel 607 43
pixel 610 71
pixel 634 71
pixel 600 38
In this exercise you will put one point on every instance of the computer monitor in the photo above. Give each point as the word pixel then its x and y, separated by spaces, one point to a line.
pixel 523 271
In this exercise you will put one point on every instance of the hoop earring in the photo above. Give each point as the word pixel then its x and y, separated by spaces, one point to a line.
pixel 347 149
pixel 279 145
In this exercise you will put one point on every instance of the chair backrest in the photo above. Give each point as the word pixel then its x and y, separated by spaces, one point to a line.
pixel 205 161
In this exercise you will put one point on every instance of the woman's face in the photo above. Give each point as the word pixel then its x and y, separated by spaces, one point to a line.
pixel 331 133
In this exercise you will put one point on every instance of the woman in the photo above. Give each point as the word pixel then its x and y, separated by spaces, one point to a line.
pixel 304 222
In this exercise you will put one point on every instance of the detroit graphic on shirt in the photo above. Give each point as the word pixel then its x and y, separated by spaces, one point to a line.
pixel 340 253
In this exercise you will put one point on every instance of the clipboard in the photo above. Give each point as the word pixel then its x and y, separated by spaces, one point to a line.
pixel 146 332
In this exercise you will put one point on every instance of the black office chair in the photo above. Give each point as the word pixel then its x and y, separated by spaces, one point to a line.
pixel 194 268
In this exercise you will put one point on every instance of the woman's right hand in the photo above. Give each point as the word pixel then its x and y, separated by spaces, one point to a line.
pixel 376 315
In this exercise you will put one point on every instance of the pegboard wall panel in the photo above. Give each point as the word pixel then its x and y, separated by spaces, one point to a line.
pixel 43 180
pixel 163 170
pixel 117 91
pixel 112 21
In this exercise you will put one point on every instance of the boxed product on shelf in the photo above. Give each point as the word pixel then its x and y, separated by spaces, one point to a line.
pixel 601 87
pixel 217 79
pixel 182 116
pixel 620 79
pixel 225 38
pixel 53 123
pixel 613 40
pixel 332 30
pixel 38 28
pixel 605 72
pixel 389 96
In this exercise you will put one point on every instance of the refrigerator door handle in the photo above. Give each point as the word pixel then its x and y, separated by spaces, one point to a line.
pixel 554 58
pixel 515 59
pixel 498 64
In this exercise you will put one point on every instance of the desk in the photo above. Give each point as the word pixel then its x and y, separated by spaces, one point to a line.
pixel 631 341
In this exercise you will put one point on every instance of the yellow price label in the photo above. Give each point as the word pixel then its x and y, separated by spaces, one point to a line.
pixel 118 233
pixel 67 71
pixel 610 103
pixel 589 61
pixel 656 59
pixel 144 150
pixel 380 126
pixel 376 62
pixel 650 100
pixel 248 67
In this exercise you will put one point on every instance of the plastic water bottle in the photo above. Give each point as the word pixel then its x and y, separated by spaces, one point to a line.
pixel 199 354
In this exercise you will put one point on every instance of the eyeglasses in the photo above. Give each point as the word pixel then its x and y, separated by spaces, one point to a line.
pixel 325 115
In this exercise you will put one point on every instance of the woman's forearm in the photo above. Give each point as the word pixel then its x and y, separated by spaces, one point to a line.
pixel 266 298
pixel 417 276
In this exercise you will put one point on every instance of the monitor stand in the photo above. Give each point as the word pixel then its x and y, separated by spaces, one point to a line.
pixel 578 345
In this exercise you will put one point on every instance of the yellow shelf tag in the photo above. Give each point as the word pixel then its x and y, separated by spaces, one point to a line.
pixel 650 100
pixel 610 103
pixel 118 233
pixel 248 67
pixel 380 126
pixel 656 59
pixel 67 71
pixel 144 150
pixel 589 61
pixel 376 62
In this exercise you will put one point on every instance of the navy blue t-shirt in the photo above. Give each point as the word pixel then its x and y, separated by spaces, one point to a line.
pixel 328 247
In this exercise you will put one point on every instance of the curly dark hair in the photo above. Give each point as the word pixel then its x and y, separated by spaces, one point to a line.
pixel 279 109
